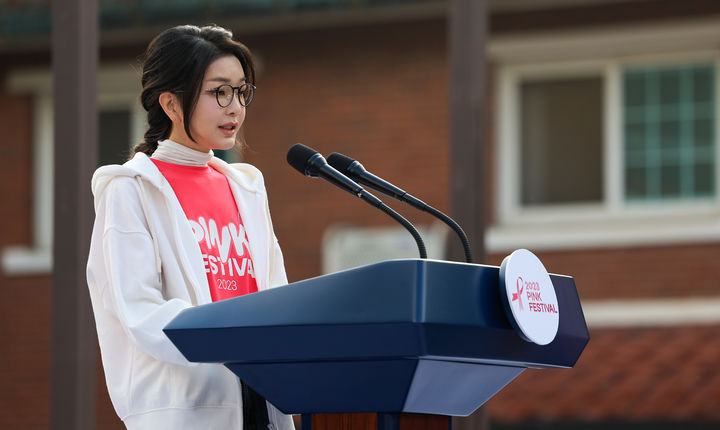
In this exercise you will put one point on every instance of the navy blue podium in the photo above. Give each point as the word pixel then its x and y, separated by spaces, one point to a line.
pixel 420 336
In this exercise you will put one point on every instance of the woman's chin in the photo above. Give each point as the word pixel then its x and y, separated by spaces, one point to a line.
pixel 221 144
pixel 225 145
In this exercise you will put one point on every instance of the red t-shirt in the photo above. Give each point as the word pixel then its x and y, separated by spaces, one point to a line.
pixel 208 203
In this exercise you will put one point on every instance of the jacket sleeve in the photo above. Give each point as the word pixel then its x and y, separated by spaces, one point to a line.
pixel 277 266
pixel 278 277
pixel 130 286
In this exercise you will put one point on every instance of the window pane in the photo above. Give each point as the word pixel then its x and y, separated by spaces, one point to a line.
pixel 670 133
pixel 635 182
pixel 704 178
pixel 670 181
pixel 703 132
pixel 669 87
pixel 703 84
pixel 635 136
pixel 114 136
pixel 561 141
pixel 635 94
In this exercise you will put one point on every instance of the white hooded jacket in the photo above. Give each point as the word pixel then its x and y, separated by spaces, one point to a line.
pixel 144 267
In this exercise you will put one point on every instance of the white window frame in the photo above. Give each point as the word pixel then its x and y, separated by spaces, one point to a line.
pixel 611 222
pixel 118 87
pixel 347 246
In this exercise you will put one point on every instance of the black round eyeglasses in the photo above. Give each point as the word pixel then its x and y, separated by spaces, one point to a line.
pixel 225 92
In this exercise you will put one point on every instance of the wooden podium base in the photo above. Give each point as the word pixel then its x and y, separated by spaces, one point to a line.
pixel 375 421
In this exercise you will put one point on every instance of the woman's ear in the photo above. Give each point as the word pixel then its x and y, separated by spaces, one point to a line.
pixel 171 105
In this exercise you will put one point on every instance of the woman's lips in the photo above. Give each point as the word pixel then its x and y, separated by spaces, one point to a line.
pixel 228 129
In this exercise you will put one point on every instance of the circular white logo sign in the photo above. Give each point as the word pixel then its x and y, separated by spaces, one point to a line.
pixel 528 297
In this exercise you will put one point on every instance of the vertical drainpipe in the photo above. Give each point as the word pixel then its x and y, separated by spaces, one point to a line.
pixel 75 134
pixel 467 38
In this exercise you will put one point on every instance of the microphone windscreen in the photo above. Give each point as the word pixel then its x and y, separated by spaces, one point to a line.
pixel 340 162
pixel 298 157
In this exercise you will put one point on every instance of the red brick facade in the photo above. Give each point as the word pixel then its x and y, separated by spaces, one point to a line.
pixel 16 167
pixel 376 98
pixel 25 305
pixel 638 272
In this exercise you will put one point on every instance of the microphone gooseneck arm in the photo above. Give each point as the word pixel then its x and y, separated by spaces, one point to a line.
pixel 419 204
pixel 353 169
pixel 408 226
pixel 310 163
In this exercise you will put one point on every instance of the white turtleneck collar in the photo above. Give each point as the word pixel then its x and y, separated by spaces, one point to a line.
pixel 173 152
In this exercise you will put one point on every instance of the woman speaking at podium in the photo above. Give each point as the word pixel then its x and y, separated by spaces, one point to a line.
pixel 176 227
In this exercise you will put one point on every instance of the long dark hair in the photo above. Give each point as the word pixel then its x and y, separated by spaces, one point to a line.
pixel 176 61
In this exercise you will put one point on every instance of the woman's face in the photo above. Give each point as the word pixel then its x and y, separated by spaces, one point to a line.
pixel 212 126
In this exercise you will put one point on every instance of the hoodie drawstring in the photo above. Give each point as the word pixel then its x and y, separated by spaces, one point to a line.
pixel 158 265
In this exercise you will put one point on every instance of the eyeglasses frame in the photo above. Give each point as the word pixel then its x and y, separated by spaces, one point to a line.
pixel 236 93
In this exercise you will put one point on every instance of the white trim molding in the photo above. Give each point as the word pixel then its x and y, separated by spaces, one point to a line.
pixel 617 41
pixel 652 313
pixel 345 246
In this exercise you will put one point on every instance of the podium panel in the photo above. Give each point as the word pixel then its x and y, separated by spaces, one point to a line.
pixel 412 335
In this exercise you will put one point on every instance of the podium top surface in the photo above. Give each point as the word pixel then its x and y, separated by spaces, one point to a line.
pixel 398 308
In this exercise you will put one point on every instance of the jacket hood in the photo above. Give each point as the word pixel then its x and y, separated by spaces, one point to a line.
pixel 245 175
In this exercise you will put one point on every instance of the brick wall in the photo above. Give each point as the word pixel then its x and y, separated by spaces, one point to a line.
pixel 25 365
pixel 650 272
pixel 15 168
pixel 380 95
pixel 25 305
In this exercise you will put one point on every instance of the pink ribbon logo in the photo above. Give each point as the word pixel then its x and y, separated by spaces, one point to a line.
pixel 518 295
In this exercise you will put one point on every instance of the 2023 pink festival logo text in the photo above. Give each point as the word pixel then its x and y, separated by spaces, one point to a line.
pixel 534 299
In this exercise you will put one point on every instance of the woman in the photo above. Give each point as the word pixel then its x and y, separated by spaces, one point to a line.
pixel 176 227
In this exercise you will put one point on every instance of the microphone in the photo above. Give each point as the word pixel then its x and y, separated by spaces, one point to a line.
pixel 310 163
pixel 354 170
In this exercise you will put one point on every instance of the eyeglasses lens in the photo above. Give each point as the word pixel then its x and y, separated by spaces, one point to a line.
pixel 245 93
pixel 225 94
